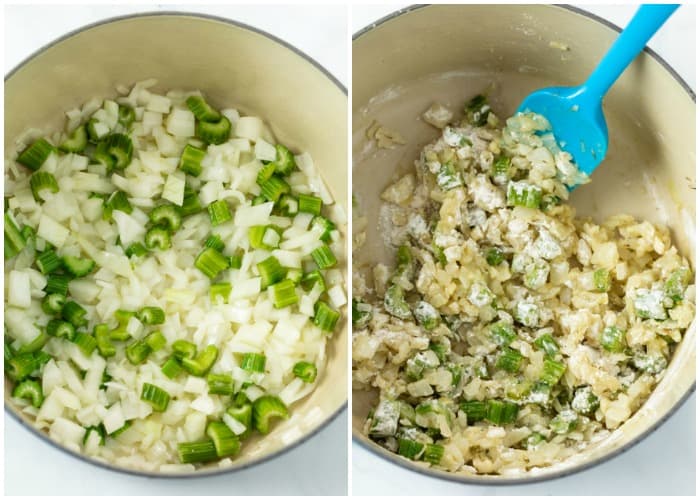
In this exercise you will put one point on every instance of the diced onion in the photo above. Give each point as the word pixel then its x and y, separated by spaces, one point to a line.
pixel 254 392
pixel 158 103
pixel 246 288
pixel 66 431
pixel 249 127
pixel 130 230
pixel 52 231
pixel 204 403
pixel 253 215
pixel 67 398
pixel 195 424
pixel 265 151
pixel 174 189
pixel 114 418
pixel 236 427
pixel 337 296
pixel 240 143
pixel 19 291
pixel 83 290
pixel 180 123
pixel 195 385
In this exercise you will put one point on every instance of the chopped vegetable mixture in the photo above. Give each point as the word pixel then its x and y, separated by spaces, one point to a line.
pixel 172 279
pixel 509 334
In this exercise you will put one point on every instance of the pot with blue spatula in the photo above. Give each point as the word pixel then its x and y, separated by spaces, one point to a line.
pixel 434 142
pixel 576 113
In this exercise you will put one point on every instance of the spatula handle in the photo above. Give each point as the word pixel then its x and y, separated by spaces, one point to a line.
pixel 646 21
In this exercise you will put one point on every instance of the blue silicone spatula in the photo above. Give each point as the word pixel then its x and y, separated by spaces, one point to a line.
pixel 576 113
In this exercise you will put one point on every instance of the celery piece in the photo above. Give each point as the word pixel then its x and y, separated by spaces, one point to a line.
pixel 191 160
pixel 409 448
pixel 310 204
pixel 536 274
pixel 74 313
pixel 305 371
pixel 427 315
pixel 584 401
pixel 494 256
pixel 284 162
pixel 271 272
pixel 202 363
pixel 42 181
pixel 552 371
pixel 501 412
pixel 222 290
pixel 501 169
pixel 502 333
pixel 547 344
pixel 266 408
pixel 76 142
pixel 361 313
pixel 78 266
pixel 385 421
pixel 326 226
pixel 220 383
pixel 510 360
pixel 219 212
pixel 167 215
pixel 395 304
pixel 253 362
pixel 477 110
pixel 126 116
pixel 213 132
pixel 34 156
pixel 29 390
pixel 273 188
pixel 283 294
pixel 534 440
pixel 197 452
pixel 474 410
pixel 171 368
pixel 35 344
pixel 157 237
pixel 601 280
pixel 448 177
pixel 650 363
pixel 48 262
pixel 85 342
pixel 324 257
pixel 14 240
pixel 524 194
pixel 549 201
pixel 201 109
pixel 155 396
pixel 325 317
pixel 613 339
pixel 53 303
pixel 225 441
pixel 120 147
pixel 211 262
pixel 60 329
pixel 150 315
pixel 677 283
pixel 564 422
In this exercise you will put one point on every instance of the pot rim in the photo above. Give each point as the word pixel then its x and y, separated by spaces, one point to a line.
pixel 556 474
pixel 201 472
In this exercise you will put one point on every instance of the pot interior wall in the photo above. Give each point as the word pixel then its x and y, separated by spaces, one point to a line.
pixel 234 67
pixel 450 53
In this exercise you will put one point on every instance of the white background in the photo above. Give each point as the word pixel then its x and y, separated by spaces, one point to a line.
pixel 317 467
pixel 662 464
